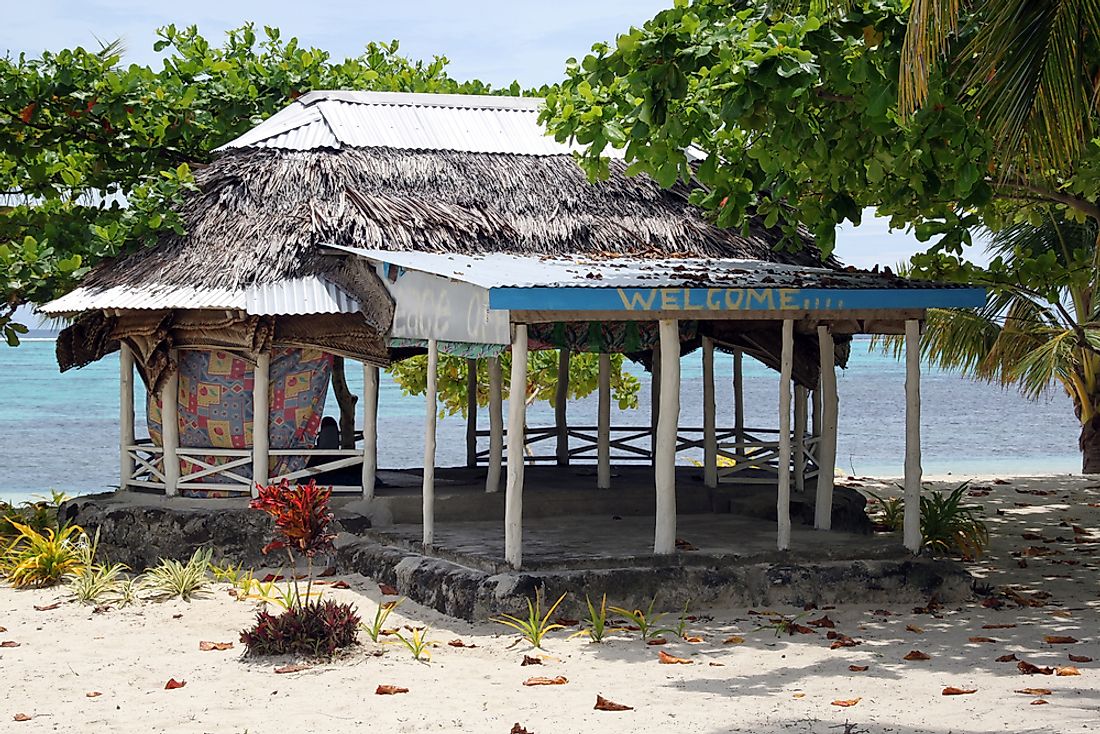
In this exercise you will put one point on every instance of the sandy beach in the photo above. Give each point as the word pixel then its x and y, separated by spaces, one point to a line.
pixel 738 678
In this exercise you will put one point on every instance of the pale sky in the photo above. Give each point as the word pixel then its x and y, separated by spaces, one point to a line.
pixel 492 40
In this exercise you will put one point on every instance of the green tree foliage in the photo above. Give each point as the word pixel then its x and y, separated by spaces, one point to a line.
pixel 542 379
pixel 94 153
pixel 797 115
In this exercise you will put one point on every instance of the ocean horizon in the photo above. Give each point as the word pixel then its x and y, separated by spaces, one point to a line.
pixel 60 431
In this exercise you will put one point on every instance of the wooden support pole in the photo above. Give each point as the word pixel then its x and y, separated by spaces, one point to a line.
pixel 496 426
pixel 471 413
pixel 912 532
pixel 654 403
pixel 783 502
pixel 517 417
pixel 170 425
pixel 668 418
pixel 603 427
pixel 370 429
pixel 431 409
pixel 816 417
pixel 710 440
pixel 826 458
pixel 801 396
pixel 561 399
pixel 125 414
pixel 738 398
pixel 261 415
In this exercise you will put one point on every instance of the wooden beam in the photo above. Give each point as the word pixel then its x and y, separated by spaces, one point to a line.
pixel 561 400
pixel 664 537
pixel 517 411
pixel 125 414
pixel 430 416
pixel 471 413
pixel 496 426
pixel 370 429
pixel 783 501
pixel 800 400
pixel 911 522
pixel 261 414
pixel 603 428
pixel 826 461
pixel 710 442
pixel 170 426
pixel 738 396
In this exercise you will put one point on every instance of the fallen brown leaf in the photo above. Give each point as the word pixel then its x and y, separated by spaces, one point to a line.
pixel 173 684
pixel 667 659
pixel 604 704
pixel 341 584
pixel 657 641
pixel 292 668
pixel 734 640
pixel 846 702
pixel 857 668
pixel 539 680
pixel 1039 702
pixel 207 646
pixel 1030 669
pixel 1059 640
pixel 822 622
pixel 798 695
pixel 1079 658
pixel 21 717
pixel 914 629
pixel 981 640
pixel 517 729
pixel 693 639
pixel 459 643
pixel 844 641
pixel 3 629
pixel 715 664
pixel 1035 691
pixel 384 690
pixel 916 655
pixel 997 626
pixel 1067 670
pixel 9 643
pixel 952 691
pixel 387 590
pixel 93 694
pixel 1010 658
pixel 47 607
pixel 530 660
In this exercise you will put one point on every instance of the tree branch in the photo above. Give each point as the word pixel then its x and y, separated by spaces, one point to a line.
pixel 1032 192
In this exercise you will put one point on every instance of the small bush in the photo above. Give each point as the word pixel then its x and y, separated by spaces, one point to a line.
pixel 171 578
pixel 97 583
pixel 891 512
pixel 536 625
pixel 312 629
pixel 43 558
pixel 947 525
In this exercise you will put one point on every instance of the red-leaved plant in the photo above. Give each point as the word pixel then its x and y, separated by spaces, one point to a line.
pixel 301 516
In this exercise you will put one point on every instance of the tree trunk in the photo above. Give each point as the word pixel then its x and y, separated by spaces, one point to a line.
pixel 346 400
pixel 1090 446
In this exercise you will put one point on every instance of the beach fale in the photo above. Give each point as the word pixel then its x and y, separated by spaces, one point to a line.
pixel 377 226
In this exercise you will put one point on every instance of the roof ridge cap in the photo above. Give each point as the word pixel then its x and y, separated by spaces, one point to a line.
pixel 422 99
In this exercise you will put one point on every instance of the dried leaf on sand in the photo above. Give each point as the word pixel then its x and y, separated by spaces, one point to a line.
pixel 953 691
pixel 603 704
pixel 846 702
pixel 386 690
pixel 917 655
pixel 207 646
pixel 539 680
pixel 667 659
pixel 173 684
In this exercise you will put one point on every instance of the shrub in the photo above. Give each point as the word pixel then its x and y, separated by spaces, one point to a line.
pixel 646 621
pixel 311 629
pixel 39 515
pixel 947 525
pixel 43 558
pixel 537 625
pixel 96 583
pixel 170 578
pixel 891 512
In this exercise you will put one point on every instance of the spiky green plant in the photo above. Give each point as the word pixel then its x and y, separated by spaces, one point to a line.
pixel 536 625
pixel 646 621
pixel 128 591
pixel 949 526
pixel 170 578
pixel 43 558
pixel 596 627
pixel 97 583
pixel 381 614
pixel 417 642
pixel 891 511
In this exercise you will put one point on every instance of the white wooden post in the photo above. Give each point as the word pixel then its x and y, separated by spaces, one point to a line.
pixel 561 399
pixel 170 425
pixel 428 488
pixel 261 415
pixel 654 403
pixel 370 429
pixel 912 532
pixel 710 440
pixel 471 413
pixel 125 415
pixel 800 403
pixel 816 418
pixel 826 458
pixel 783 502
pixel 517 417
pixel 496 426
pixel 738 400
pixel 668 418
pixel 603 425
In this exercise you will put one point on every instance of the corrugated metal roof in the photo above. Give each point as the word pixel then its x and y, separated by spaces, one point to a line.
pixel 467 123
pixel 498 270
pixel 299 296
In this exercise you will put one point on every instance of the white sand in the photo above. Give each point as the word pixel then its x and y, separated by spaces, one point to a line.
pixel 763 685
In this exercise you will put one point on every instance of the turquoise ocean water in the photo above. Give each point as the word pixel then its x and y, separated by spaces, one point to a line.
pixel 61 430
